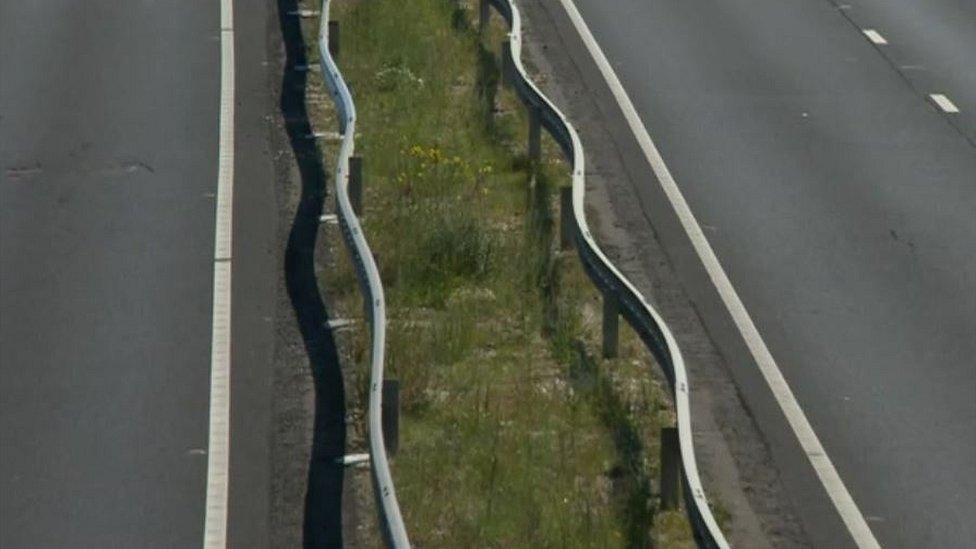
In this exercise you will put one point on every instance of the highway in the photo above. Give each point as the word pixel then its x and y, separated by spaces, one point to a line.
pixel 109 158
pixel 840 200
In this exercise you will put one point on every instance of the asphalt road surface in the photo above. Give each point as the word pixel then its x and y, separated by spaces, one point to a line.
pixel 841 201
pixel 108 146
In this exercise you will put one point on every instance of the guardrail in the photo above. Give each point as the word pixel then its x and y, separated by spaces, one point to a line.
pixel 391 521
pixel 633 306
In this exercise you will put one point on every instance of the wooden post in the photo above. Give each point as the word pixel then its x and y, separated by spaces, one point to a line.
pixel 535 134
pixel 391 415
pixel 670 469
pixel 567 220
pixel 611 312
pixel 506 64
pixel 356 184
pixel 484 15
pixel 334 38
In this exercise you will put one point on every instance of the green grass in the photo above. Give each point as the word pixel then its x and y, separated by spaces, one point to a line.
pixel 511 434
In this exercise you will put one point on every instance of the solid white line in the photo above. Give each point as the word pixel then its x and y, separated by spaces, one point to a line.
pixel 944 103
pixel 215 522
pixel 875 37
pixel 832 483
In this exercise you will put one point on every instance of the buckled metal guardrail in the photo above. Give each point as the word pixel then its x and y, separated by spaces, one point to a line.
pixel 391 521
pixel 633 306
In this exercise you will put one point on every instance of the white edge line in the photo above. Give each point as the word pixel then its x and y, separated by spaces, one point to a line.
pixel 944 102
pixel 875 37
pixel 822 465
pixel 215 521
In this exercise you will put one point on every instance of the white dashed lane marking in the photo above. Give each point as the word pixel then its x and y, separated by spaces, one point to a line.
pixel 944 103
pixel 875 37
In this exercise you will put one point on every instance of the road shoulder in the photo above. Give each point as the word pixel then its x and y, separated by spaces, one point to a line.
pixel 255 265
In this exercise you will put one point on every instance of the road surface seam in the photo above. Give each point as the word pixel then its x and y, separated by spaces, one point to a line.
pixel 817 455
pixel 215 521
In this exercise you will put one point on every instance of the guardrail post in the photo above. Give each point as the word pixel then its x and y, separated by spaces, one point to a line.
pixel 535 133
pixel 506 64
pixel 611 312
pixel 670 469
pixel 356 184
pixel 566 220
pixel 334 38
pixel 391 415
pixel 484 16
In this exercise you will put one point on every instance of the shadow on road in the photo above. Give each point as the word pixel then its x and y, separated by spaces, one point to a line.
pixel 323 501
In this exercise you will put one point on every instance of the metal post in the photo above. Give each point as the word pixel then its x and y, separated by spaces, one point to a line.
pixel 611 312
pixel 535 133
pixel 566 218
pixel 356 184
pixel 670 469
pixel 391 415
pixel 334 38
pixel 483 16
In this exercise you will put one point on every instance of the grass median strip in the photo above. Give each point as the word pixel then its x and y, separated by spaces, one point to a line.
pixel 512 435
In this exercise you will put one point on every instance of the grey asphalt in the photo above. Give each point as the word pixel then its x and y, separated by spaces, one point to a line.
pixel 108 146
pixel 931 43
pixel 842 204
